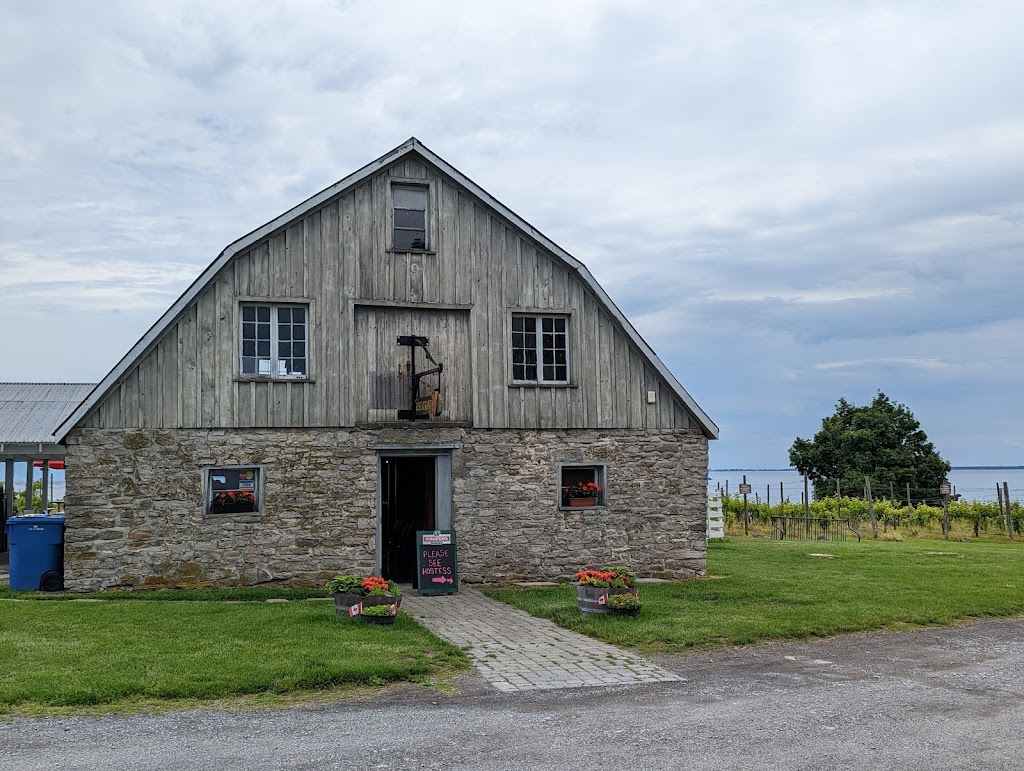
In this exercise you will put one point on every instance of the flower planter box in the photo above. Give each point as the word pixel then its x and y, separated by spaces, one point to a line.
pixel 588 597
pixel 231 508
pixel 378 620
pixel 579 502
pixel 625 611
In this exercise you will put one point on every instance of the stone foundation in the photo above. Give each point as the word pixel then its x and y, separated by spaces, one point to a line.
pixel 135 515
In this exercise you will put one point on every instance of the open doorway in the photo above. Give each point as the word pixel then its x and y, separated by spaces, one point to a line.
pixel 407 504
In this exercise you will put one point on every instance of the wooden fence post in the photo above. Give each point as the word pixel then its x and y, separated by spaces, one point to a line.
pixel 871 506
pixel 1009 513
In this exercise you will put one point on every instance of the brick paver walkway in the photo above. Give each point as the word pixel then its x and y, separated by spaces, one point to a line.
pixel 515 651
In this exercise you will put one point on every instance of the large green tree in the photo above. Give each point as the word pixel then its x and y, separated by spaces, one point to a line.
pixel 883 441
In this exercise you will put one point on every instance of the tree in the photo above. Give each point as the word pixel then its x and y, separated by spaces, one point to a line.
pixel 883 441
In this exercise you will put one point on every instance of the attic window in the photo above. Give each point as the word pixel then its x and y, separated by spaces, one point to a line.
pixel 273 341
pixel 409 204
pixel 540 349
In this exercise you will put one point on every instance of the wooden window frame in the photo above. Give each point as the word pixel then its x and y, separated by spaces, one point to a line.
pixel 275 304
pixel 429 218
pixel 539 315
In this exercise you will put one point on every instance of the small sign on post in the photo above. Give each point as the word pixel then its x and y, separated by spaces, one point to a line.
pixel 437 562
pixel 944 488
pixel 745 489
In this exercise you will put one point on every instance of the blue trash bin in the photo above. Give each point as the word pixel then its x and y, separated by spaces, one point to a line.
pixel 36 552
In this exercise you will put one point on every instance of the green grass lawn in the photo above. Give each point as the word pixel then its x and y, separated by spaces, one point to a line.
pixel 55 654
pixel 767 589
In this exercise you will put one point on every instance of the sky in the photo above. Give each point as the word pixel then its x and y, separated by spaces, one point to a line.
pixel 793 202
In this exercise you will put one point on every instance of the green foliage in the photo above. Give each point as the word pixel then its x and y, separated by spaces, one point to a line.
pixel 883 441
pixel 625 601
pixel 346 584
pixel 980 516
pixel 377 610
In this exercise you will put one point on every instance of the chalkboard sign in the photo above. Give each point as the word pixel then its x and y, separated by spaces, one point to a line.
pixel 436 563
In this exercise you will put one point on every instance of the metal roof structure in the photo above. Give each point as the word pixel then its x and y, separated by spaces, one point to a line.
pixel 31 412
pixel 412 145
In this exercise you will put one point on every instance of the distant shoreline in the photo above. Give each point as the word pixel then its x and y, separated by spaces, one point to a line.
pixel 954 468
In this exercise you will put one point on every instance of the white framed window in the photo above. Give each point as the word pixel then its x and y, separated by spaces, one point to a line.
pixel 410 217
pixel 582 484
pixel 540 348
pixel 233 490
pixel 274 340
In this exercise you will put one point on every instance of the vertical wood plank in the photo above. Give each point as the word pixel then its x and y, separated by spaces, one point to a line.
pixel 225 344
pixel 207 342
pixel 317 343
pixel 188 366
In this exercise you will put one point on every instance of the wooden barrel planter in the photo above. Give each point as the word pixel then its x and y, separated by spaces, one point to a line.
pixel 378 620
pixel 342 602
pixel 588 597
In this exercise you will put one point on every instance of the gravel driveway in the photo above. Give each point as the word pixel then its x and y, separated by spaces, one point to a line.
pixel 928 699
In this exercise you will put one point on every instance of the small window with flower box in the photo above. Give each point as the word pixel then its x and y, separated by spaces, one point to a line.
pixel 233 490
pixel 582 485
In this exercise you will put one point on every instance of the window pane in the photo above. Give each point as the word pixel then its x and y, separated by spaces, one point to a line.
pixel 298 349
pixel 284 332
pixel 248 331
pixel 559 325
pixel 248 313
pixel 517 339
pixel 284 314
pixel 518 372
pixel 531 356
pixel 559 357
pixel 248 347
pixel 284 350
pixel 410 239
pixel 561 373
pixel 531 340
pixel 233 491
pixel 530 324
pixel 263 331
pixel 298 315
pixel 549 373
pixel 410 219
pixel 549 356
pixel 263 348
pixel 263 313
pixel 531 372
pixel 517 323
pixel 298 366
pixel 549 341
pixel 517 356
pixel 298 333
pixel 409 197
pixel 547 323
pixel 248 365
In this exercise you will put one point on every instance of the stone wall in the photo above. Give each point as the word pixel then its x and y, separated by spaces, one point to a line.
pixel 135 511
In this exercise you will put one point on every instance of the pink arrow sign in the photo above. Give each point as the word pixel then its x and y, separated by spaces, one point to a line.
pixel 441 580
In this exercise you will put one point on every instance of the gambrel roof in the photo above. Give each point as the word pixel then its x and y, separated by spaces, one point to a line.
pixel 412 146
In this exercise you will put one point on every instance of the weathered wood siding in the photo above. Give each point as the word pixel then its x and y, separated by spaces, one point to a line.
pixel 336 258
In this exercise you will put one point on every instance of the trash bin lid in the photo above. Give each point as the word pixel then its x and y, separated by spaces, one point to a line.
pixel 35 519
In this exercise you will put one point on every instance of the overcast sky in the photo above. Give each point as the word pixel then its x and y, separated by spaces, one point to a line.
pixel 793 202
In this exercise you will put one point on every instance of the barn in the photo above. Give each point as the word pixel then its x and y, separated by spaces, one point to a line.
pixel 400 352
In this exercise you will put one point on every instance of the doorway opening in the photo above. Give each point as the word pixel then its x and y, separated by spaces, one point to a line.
pixel 407 504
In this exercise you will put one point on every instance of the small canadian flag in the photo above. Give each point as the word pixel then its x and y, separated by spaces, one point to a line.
pixel 602 600
pixel 355 609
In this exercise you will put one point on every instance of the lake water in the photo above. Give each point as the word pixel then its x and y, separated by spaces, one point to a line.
pixel 973 484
